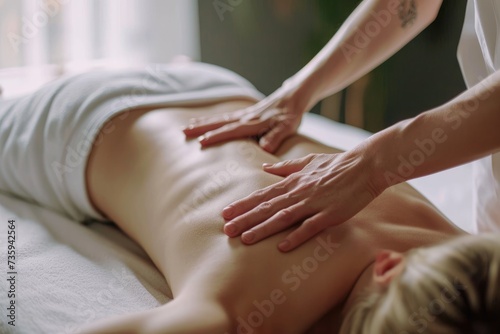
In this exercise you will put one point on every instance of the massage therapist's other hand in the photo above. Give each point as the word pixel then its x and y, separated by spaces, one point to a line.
pixel 320 190
pixel 271 120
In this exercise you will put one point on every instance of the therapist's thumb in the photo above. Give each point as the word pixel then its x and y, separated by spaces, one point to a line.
pixel 288 167
pixel 272 140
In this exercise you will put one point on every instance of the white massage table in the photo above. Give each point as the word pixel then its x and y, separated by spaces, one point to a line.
pixel 69 274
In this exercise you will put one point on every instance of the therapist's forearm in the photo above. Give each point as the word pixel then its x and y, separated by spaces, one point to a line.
pixel 462 130
pixel 373 32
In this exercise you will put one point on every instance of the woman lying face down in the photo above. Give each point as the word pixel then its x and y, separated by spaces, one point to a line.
pixel 452 287
pixel 166 193
pixel 386 270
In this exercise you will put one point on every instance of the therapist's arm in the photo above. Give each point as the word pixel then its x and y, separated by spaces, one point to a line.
pixel 326 190
pixel 371 34
pixel 463 130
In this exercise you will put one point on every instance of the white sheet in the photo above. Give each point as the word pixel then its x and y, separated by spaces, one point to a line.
pixel 69 274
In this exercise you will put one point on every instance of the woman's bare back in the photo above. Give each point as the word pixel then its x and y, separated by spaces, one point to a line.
pixel 167 194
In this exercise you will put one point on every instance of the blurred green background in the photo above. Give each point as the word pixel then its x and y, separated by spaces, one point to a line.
pixel 267 41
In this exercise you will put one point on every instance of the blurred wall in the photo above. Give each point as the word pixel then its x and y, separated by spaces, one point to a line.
pixel 267 41
pixel 255 40
pixel 38 32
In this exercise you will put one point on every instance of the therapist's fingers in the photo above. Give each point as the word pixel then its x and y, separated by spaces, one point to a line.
pixel 259 213
pixel 234 131
pixel 272 140
pixel 307 230
pixel 280 221
pixel 324 217
pixel 286 186
pixel 199 126
pixel 287 167
pixel 227 116
pixel 280 131
pixel 251 201
pixel 197 130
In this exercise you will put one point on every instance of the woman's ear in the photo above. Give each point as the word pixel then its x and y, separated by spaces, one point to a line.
pixel 388 264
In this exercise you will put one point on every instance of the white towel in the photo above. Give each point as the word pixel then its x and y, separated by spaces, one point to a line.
pixel 46 137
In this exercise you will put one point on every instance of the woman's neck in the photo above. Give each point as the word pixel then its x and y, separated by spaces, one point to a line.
pixel 400 238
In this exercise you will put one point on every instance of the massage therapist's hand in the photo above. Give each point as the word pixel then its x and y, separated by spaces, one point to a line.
pixel 320 190
pixel 271 120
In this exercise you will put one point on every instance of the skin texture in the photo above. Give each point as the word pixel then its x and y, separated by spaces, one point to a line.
pixel 321 191
pixel 167 195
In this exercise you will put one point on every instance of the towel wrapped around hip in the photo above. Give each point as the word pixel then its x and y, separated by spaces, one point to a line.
pixel 46 137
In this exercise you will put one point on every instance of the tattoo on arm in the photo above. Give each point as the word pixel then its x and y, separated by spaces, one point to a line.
pixel 407 12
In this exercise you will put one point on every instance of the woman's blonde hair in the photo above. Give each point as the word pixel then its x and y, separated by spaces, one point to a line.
pixel 453 287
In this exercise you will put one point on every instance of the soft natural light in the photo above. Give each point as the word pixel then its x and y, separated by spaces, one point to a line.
pixel 35 32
